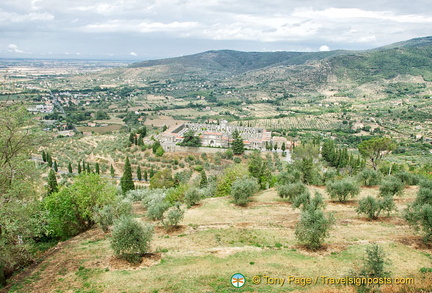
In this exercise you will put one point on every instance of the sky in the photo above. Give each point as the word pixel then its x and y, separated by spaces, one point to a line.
pixel 153 29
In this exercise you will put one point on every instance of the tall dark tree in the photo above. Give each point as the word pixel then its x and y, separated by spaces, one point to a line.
pixel 55 167
pixel 126 181
pixel 88 168
pixel 259 169
pixel 139 174
pixel 44 156
pixel 143 131
pixel 132 138
pixel 328 151
pixel 237 144
pixel 112 171
pixel 190 139
pixel 283 147
pixel 155 146
pixel 145 175
pixel 203 182
pixel 52 182
pixel 97 169
pixel 151 173
pixel 70 168
pixel 140 140
pixel 49 160
pixel 79 167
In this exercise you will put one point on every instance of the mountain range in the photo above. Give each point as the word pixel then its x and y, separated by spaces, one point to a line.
pixel 412 57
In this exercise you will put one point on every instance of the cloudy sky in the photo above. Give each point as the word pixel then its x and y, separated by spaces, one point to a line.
pixel 148 29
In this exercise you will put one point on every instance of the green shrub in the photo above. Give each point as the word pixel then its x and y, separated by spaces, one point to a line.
pixel 242 189
pixel 106 215
pixel 230 174
pixel 419 213
pixel 71 210
pixel 291 191
pixel 369 177
pixel 131 239
pixel 343 189
pixel 313 227
pixel 173 216
pixel 192 196
pixel 408 178
pixel 391 186
pixel 373 207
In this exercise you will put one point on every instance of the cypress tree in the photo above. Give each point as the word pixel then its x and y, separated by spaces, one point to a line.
pixel 283 147
pixel 49 160
pixel 83 166
pixel 55 167
pixel 203 182
pixel 52 182
pixel 152 172
pixel 112 171
pixel 126 180
pixel 237 144
pixel 70 168
pixel 140 140
pixel 97 168
pixel 139 175
pixel 88 168
pixel 79 167
pixel 44 156
pixel 132 138
pixel 145 175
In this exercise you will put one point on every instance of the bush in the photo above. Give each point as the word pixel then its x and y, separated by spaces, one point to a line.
pixel 106 215
pixel 192 196
pixel 173 216
pixel 176 194
pixel 131 239
pixel 305 201
pixel 369 177
pixel 71 210
pixel 373 207
pixel 313 227
pixel 242 189
pixel 285 178
pixel 391 186
pixel 408 178
pixel 374 265
pixel 343 189
pixel 291 191
pixel 237 160
pixel 156 209
pixel 230 174
pixel 419 213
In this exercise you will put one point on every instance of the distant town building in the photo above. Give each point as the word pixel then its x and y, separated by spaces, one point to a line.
pixel 219 135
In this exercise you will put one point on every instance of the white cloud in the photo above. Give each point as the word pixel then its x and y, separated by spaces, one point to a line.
pixel 14 49
pixel 6 17
pixel 324 48
pixel 218 23
pixel 133 54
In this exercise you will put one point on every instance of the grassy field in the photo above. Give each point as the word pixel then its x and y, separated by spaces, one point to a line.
pixel 218 239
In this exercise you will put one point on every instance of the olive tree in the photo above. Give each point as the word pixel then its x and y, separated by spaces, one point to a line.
pixel 242 189
pixel 131 239
pixel 343 189
pixel 372 207
pixel 419 213
pixel 314 226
